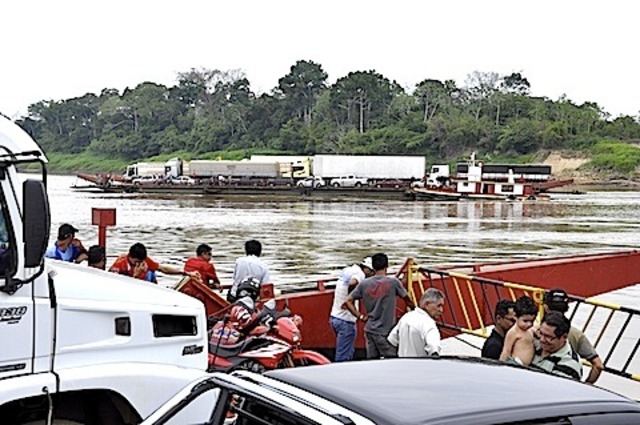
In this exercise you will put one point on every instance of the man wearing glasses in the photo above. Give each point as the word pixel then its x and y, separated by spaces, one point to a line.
pixel 505 317
pixel 553 352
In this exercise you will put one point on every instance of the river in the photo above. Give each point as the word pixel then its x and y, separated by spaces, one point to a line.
pixel 309 240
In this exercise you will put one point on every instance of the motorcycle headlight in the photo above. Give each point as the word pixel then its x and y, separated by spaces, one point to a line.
pixel 296 337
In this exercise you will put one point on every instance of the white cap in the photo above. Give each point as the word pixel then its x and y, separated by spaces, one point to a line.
pixel 367 263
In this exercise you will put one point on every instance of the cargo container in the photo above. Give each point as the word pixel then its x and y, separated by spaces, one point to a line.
pixel 251 169
pixel 370 167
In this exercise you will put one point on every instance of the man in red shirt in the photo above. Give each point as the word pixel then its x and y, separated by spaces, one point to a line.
pixel 137 265
pixel 202 264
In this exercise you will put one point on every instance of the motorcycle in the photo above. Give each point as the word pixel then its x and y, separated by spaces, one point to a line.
pixel 268 340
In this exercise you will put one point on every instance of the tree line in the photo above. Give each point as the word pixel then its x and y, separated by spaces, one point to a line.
pixel 363 112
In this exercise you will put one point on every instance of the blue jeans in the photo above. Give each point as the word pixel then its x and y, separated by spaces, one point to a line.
pixel 345 338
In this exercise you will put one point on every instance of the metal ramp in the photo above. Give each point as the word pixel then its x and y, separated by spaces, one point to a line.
pixel 614 330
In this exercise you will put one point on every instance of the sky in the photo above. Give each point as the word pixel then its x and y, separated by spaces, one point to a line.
pixel 55 50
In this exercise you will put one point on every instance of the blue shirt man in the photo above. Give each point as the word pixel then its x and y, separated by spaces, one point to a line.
pixel 67 247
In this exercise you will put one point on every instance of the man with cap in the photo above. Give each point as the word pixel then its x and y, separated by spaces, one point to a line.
pixel 67 247
pixel 342 321
pixel 558 300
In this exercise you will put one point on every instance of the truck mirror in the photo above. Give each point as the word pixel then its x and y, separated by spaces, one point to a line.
pixel 37 222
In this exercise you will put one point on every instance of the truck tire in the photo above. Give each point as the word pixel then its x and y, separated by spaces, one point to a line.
pixel 336 184
pixel 358 184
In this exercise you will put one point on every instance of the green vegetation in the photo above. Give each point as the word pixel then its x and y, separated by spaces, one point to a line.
pixel 214 114
pixel 615 157
pixel 59 162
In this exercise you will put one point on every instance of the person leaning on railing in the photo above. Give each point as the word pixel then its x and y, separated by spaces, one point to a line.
pixel 557 300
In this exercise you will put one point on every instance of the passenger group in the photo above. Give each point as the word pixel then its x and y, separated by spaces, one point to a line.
pixel 554 345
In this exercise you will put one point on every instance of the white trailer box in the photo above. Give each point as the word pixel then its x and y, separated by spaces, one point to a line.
pixel 212 168
pixel 371 167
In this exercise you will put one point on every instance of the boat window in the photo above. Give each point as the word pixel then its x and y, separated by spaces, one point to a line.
pixel 507 188
pixel 7 247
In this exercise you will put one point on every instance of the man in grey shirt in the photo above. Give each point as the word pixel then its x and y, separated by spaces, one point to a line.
pixel 378 294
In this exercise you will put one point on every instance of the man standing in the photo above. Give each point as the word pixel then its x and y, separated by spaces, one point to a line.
pixel 342 321
pixel 505 317
pixel 67 247
pixel 553 352
pixel 201 263
pixel 248 266
pixel 558 300
pixel 416 334
pixel 378 294
pixel 138 265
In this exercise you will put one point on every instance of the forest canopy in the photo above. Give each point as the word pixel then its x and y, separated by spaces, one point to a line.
pixel 363 112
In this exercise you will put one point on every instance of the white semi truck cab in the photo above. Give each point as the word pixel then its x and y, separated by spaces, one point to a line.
pixel 80 345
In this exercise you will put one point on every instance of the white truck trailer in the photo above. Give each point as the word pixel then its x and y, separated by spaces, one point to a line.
pixel 80 345
pixel 370 167
pixel 234 169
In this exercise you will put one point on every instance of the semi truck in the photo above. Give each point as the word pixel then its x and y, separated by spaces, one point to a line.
pixel 142 169
pixel 80 345
pixel 370 167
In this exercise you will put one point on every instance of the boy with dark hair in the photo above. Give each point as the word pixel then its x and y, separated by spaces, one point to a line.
pixel 518 344
pixel 202 264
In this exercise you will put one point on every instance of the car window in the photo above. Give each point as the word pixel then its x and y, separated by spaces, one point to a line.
pixel 246 410
pixel 607 419
pixel 199 410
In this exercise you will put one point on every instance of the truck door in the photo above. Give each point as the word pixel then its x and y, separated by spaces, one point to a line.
pixel 16 310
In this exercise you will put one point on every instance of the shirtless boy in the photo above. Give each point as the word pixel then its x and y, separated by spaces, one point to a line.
pixel 518 343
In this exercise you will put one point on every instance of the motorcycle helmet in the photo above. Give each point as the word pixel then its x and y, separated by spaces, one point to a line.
pixel 249 287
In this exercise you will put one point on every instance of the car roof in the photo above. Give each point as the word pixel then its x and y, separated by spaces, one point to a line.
pixel 449 390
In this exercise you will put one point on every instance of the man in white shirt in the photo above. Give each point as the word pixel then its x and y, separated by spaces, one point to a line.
pixel 249 266
pixel 342 321
pixel 416 333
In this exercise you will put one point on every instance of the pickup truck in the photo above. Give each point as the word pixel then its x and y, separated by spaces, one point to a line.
pixel 349 181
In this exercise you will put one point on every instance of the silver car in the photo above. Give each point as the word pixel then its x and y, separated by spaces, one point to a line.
pixel 396 391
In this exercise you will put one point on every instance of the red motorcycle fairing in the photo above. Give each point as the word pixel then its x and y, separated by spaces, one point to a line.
pixel 309 357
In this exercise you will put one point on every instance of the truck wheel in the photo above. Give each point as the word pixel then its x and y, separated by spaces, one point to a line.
pixel 358 184
pixel 336 184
